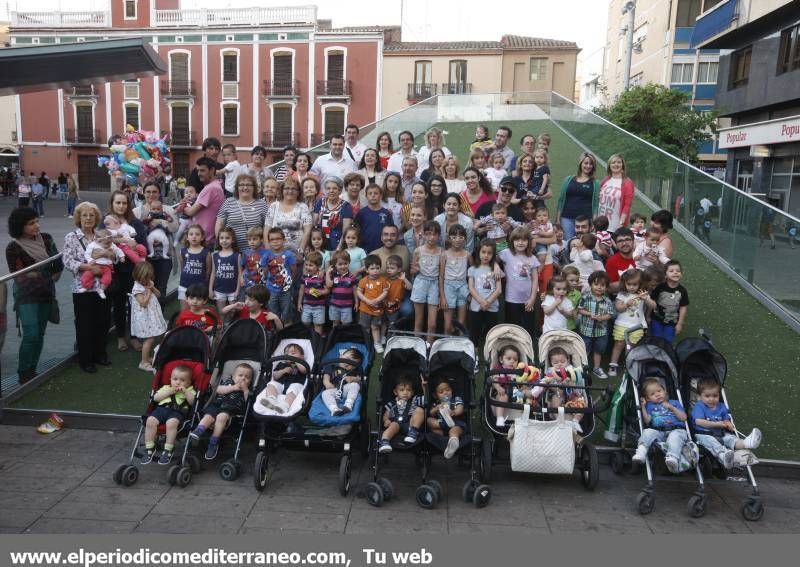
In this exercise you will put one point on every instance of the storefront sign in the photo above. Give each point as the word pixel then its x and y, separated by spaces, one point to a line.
pixel 772 132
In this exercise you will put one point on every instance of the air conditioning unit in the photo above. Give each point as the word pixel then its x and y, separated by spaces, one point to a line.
pixel 131 90
pixel 230 90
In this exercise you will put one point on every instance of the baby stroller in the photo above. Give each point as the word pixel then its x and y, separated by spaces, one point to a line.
pixel 453 359
pixel 243 341
pixel 404 356
pixel 183 346
pixel 585 454
pixel 698 360
pixel 275 428
pixel 654 357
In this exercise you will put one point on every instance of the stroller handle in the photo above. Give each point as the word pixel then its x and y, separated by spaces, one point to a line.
pixel 290 359
pixel 603 405
pixel 341 362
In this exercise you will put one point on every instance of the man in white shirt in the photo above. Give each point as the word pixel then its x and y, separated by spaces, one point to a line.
pixel 408 176
pixel 406 140
pixel 333 163
pixel 353 149
pixel 501 145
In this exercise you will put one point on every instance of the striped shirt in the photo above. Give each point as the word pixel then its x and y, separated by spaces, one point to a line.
pixel 311 283
pixel 342 290
pixel 241 217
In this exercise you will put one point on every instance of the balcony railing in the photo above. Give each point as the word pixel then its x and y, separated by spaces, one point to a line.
pixel 280 139
pixel 180 138
pixel 421 91
pixel 82 137
pixel 177 89
pixel 279 16
pixel 714 21
pixel 456 88
pixel 86 19
pixel 82 91
pixel 281 88
pixel 337 88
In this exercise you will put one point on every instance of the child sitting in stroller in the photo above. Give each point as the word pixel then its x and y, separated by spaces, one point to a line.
pixel 442 417
pixel 664 420
pixel 288 377
pixel 713 427
pixel 230 399
pixel 405 413
pixel 508 358
pixel 173 404
pixel 342 380
pixel 561 373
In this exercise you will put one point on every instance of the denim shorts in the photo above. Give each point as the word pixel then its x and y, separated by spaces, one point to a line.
pixel 313 314
pixel 596 344
pixel 456 293
pixel 343 314
pixel 368 320
pixel 425 290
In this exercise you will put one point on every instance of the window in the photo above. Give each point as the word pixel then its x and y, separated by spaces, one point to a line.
pixel 707 72
pixel 740 67
pixel 282 126
pixel 538 68
pixel 132 115
pixel 458 72
pixel 230 120
pixel 282 74
pixel 130 9
pixel 682 72
pixel 334 122
pixel 637 79
pixel 422 73
pixel 130 89
pixel 789 52
pixel 335 77
pixel 84 122
pixel 688 10
pixel 230 66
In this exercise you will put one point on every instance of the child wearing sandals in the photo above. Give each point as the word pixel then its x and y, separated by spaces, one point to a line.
pixel 288 377
pixel 404 413
pixel 173 402
pixel 342 381
pixel 230 399
pixel 442 417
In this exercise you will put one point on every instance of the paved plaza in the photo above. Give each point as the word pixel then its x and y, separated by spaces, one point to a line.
pixel 62 484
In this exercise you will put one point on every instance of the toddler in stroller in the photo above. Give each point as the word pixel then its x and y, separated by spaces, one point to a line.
pixel 443 417
pixel 665 421
pixel 289 378
pixel 174 401
pixel 342 380
pixel 405 413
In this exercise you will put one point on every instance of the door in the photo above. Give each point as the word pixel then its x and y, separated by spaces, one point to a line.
pixel 520 78
pixel 335 73
pixel 282 126
pixel 423 80
pixel 744 181
pixel 282 75
pixel 92 177
pixel 180 125
pixel 558 79
pixel 179 73
pixel 457 82
pixel 83 121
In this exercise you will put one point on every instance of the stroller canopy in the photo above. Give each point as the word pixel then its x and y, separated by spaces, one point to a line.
pixel 653 357
pixel 508 334
pixel 187 343
pixel 698 356
pixel 570 341
pixel 245 339
pixel 452 350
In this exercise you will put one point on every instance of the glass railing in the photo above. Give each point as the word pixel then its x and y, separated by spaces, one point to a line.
pixel 739 222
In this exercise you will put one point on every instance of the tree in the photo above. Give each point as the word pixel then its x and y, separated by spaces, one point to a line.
pixel 661 116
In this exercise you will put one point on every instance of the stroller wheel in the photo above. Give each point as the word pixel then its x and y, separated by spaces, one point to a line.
pixel 468 492
pixel 184 477
pixel 260 470
pixel 129 476
pixel 172 474
pixel 386 487
pixel 426 497
pixel 697 506
pixel 118 473
pixel 228 471
pixel 645 502
pixel 482 496
pixel 437 486
pixel 618 462
pixel 486 459
pixel 752 510
pixel 374 494
pixel 344 475
pixel 194 463
pixel 590 471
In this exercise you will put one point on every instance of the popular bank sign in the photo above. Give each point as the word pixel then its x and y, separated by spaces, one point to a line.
pixel 763 133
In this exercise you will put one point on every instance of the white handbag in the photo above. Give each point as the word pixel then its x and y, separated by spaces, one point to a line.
pixel 542 446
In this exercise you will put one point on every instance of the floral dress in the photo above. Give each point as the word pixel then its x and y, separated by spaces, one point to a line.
pixel 146 321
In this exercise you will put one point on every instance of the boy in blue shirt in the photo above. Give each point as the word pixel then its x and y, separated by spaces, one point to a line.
pixel 713 427
pixel 665 421
pixel 372 218
pixel 278 265
pixel 251 273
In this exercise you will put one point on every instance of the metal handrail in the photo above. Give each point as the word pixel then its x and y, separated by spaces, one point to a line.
pixel 32 267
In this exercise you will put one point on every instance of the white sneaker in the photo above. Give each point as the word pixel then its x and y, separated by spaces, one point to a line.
pixel 640 456
pixel 726 458
pixel 753 440
pixel 379 348
pixel 101 293
pixel 672 463
pixel 383 341
pixel 452 447
pixel 600 374
pixel 612 370
pixel 501 421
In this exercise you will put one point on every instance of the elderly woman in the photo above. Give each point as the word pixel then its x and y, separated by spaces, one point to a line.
pixel 478 191
pixel 34 291
pixel 92 312
pixel 332 214
pixel 292 216
pixel 452 215
pixel 579 196
pixel 242 211
pixel 434 140
pixel 161 266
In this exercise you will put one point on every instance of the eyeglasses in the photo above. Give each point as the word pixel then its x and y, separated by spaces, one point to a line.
pixel 508 189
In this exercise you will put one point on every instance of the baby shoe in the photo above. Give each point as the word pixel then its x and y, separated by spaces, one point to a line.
pixel 726 458
pixel 384 446
pixel 672 464
pixel 640 456
pixel 452 447
pixel 501 421
pixel 753 440
pixel 612 370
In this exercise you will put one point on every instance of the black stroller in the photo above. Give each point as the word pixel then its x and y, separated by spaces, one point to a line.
pixel 699 360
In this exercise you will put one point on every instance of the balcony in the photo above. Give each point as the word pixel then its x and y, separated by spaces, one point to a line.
pixel 420 91
pixel 281 88
pixel 456 88
pixel 714 22
pixel 255 16
pixel 82 137
pixel 86 19
pixel 279 140
pixel 177 89
pixel 82 92
pixel 181 138
pixel 341 89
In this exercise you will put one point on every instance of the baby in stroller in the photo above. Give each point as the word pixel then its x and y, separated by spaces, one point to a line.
pixel 174 401
pixel 231 399
pixel 443 417
pixel 288 377
pixel 665 420
pixel 713 427
pixel 404 413
pixel 561 373
pixel 342 380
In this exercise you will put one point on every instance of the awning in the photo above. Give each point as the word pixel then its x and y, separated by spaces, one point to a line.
pixel 49 67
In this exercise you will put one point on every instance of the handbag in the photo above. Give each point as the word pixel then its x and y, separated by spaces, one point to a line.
pixel 542 446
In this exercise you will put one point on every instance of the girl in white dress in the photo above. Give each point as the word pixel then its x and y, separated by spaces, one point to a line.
pixel 147 321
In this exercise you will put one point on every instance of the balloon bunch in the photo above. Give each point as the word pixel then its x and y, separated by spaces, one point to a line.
pixel 136 155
